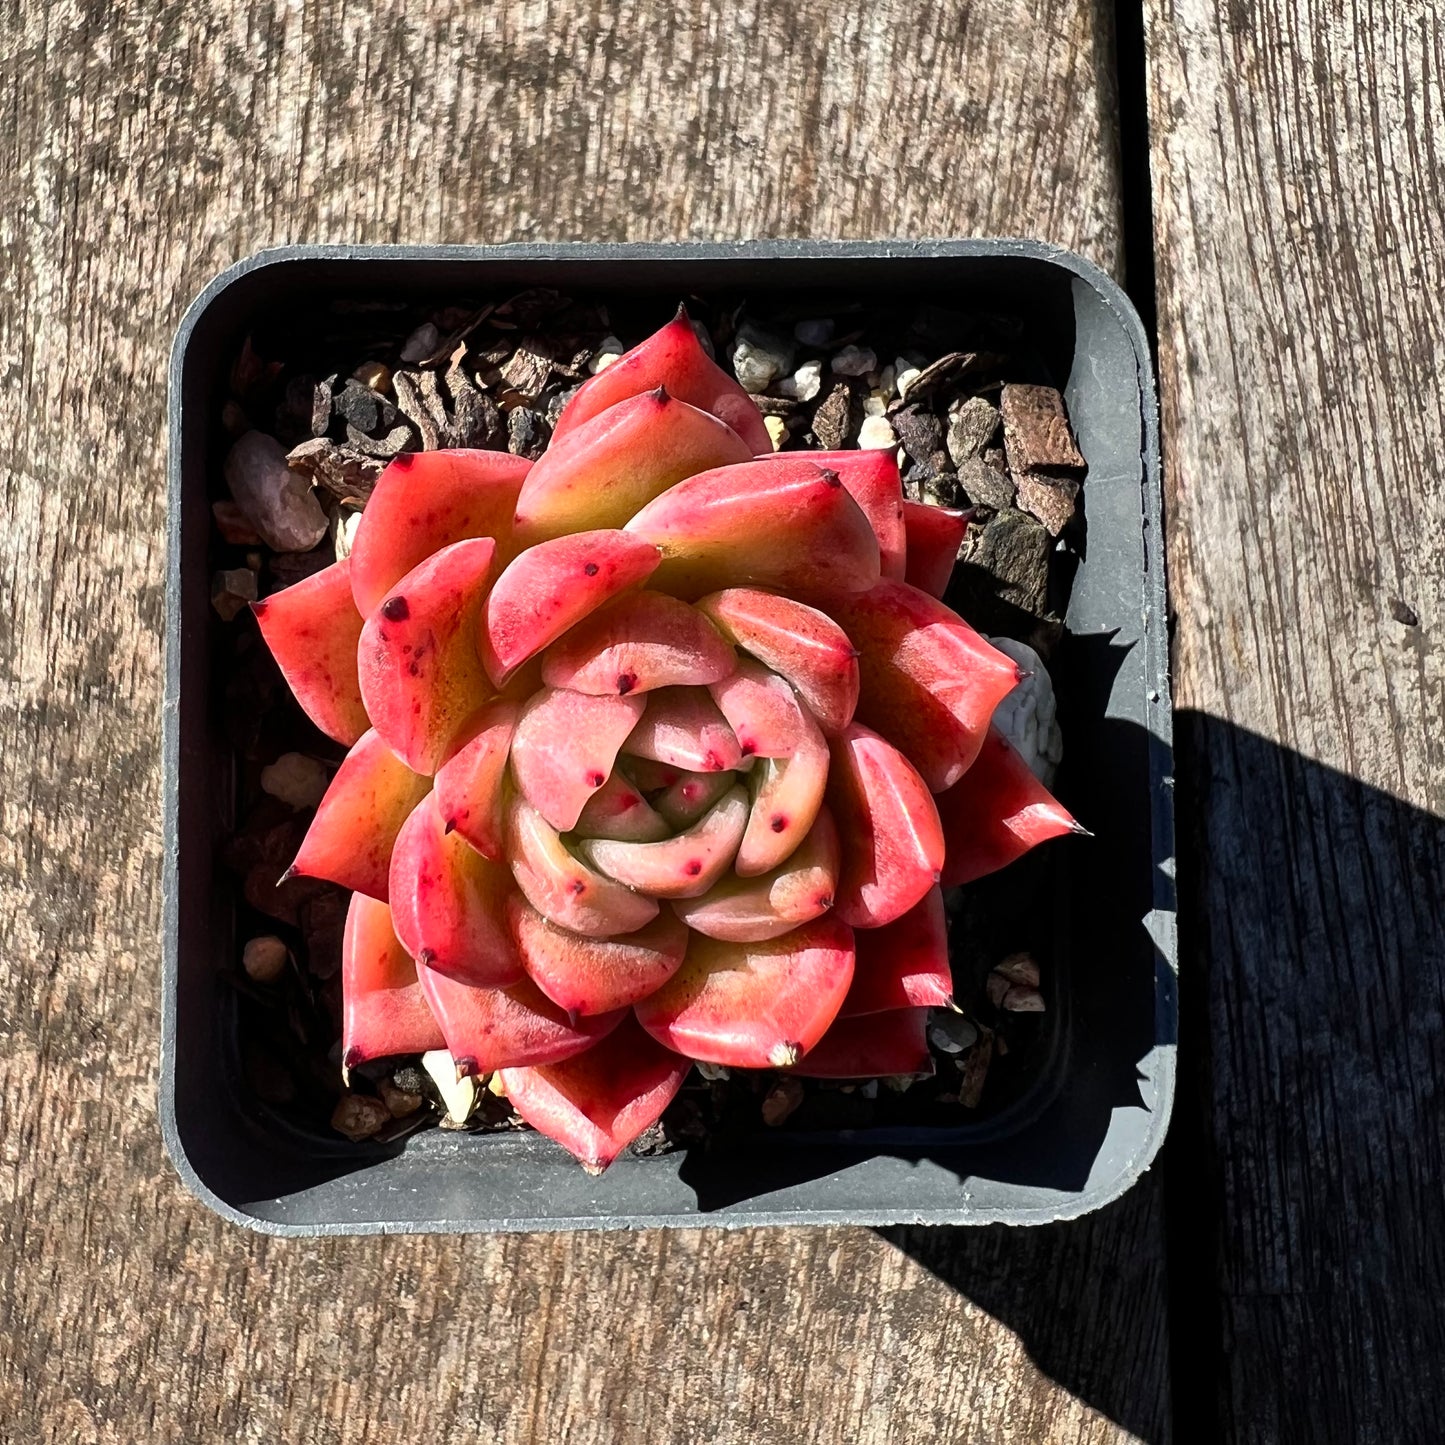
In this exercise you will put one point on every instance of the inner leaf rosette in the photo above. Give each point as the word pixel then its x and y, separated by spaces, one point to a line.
pixel 644 737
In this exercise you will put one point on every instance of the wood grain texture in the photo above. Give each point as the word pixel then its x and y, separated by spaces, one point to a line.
pixel 142 149
pixel 1297 153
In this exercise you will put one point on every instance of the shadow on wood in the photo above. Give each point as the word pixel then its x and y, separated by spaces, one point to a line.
pixel 1302 1181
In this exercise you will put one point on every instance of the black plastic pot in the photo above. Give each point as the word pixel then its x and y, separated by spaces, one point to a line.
pixel 1096 1108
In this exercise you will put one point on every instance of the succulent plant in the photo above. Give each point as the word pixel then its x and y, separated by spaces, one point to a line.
pixel 658 754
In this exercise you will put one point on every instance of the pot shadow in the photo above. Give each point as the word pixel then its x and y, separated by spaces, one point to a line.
pixel 1289 1232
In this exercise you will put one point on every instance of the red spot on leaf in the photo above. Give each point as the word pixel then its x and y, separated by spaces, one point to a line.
pixel 394 609
pixel 778 822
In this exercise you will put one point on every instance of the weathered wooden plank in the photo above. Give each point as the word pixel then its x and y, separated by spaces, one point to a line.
pixel 142 149
pixel 1297 161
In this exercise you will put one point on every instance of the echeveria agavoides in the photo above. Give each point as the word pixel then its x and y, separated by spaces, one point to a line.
pixel 661 751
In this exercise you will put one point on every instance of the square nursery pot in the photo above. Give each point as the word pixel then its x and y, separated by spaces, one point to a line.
pixel 1098 1094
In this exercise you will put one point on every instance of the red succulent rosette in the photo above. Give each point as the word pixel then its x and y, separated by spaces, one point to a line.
pixel 661 749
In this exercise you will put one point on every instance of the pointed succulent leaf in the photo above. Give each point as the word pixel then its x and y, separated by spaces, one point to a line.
pixel 683 728
pixel 448 901
pixel 551 586
pixel 787 524
pixel 686 800
pixel 872 480
pixel 761 708
pixel 595 975
pixel 618 810
pixel 383 1010
pixel 996 812
pixel 420 672
pixel 563 888
pixel 934 536
pixel 642 641
pixel 672 358
pixel 469 785
pixel 749 910
pixel 891 837
pixel 597 1103
pixel 881 1045
pixel 682 866
pixel 565 746
pixel 930 683
pixel 502 1028
pixel 787 795
pixel 904 964
pixel 425 501
pixel 798 642
pixel 312 629
pixel 753 1005
pixel 351 837
pixel 618 461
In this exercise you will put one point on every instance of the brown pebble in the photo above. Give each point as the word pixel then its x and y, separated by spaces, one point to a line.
pixel 1036 431
pixel 399 1102
pixel 1020 968
pixel 359 1116
pixel 1022 1000
pixel 233 526
pixel 264 958
pixel 1051 499
pixel 782 1100
pixel 232 590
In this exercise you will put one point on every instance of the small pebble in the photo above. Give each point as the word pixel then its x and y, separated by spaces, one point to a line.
pixel 296 780
pixel 399 1102
pixel 855 361
pixel 278 502
pixel 344 522
pixel 233 418
pixel 777 429
pixel 264 958
pixel 1019 1000
pixel 805 383
pixel 611 350
pixel 496 1086
pixel 869 1090
pixel 888 381
pixel 526 432
pixel 951 1033
pixel 458 1095
pixel 814 333
pixel 759 357
pixel 712 1072
pixel 232 590
pixel 374 376
pixel 905 378
pixel 421 343
pixel 996 986
pixel 359 1116
pixel 876 434
pixel 232 524
pixel 782 1100
pixel 875 404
